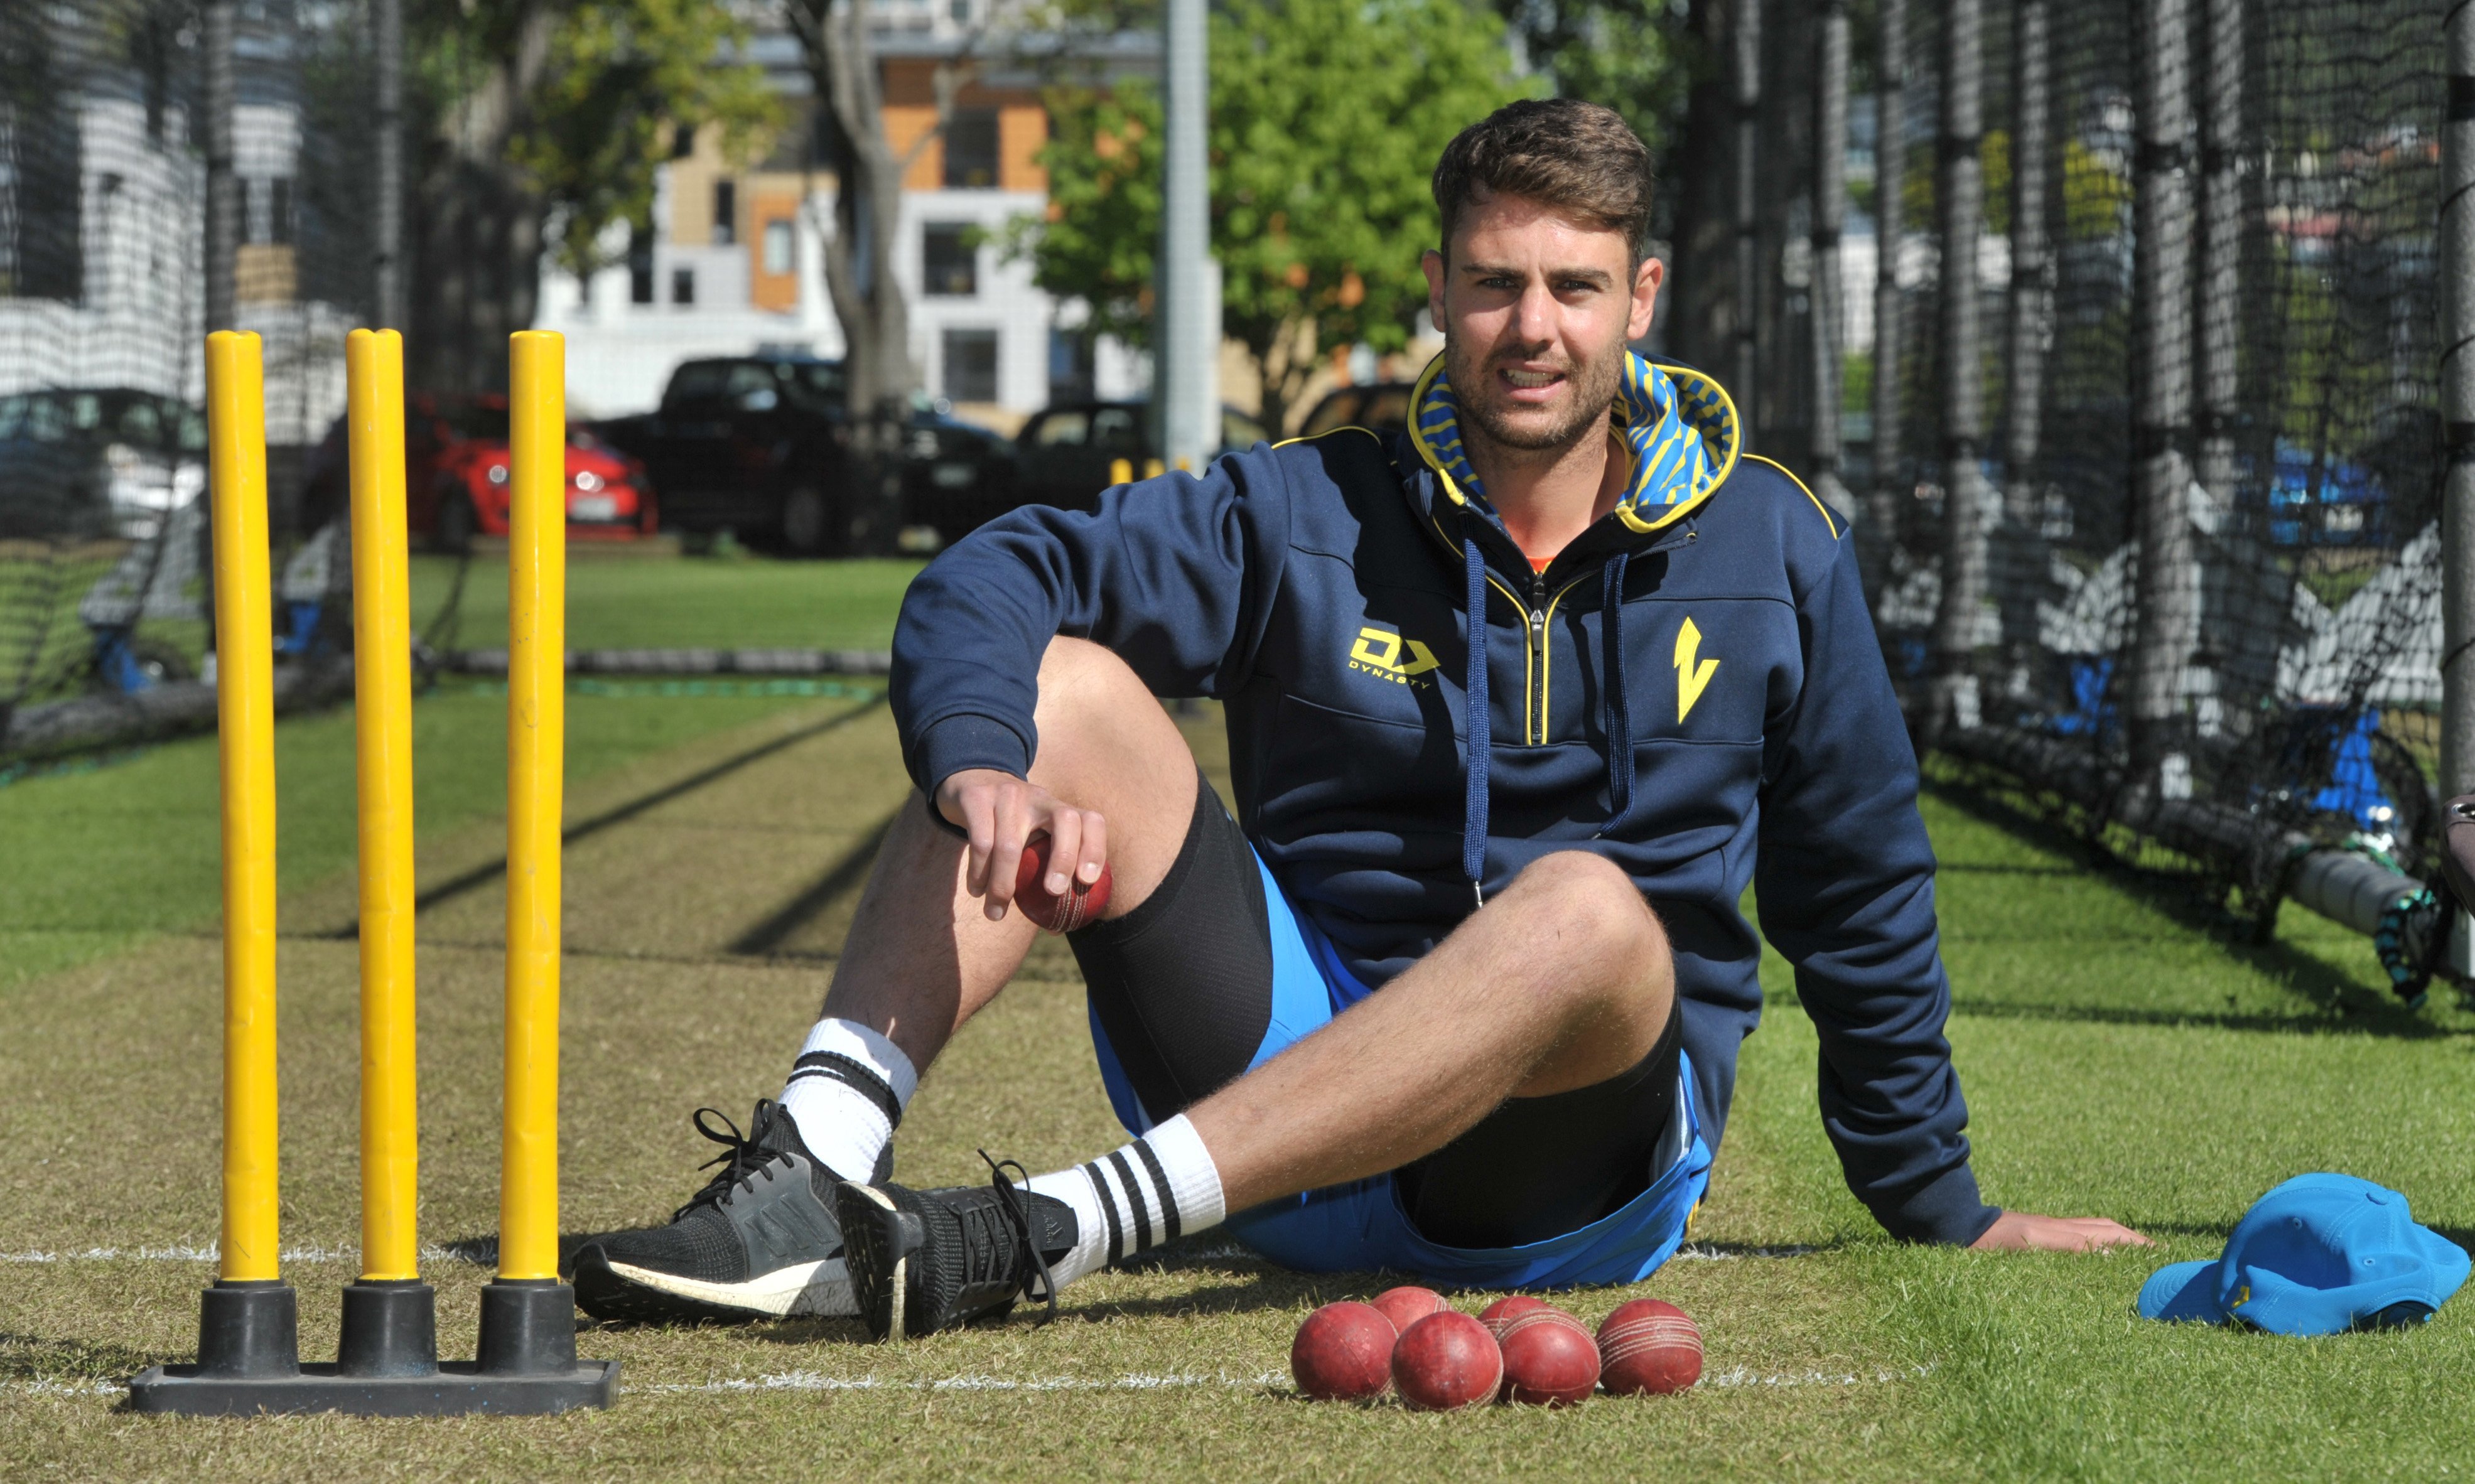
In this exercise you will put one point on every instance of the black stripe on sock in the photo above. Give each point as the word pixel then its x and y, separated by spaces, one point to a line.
pixel 1160 1178
pixel 1109 1209
pixel 854 1074
pixel 1135 1195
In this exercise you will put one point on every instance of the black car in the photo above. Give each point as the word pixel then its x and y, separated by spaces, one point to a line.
pixel 1067 454
pixel 96 462
pixel 761 444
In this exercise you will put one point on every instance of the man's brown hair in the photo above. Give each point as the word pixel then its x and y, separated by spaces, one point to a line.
pixel 1581 159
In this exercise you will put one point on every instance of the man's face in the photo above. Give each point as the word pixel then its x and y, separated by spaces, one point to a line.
pixel 1536 310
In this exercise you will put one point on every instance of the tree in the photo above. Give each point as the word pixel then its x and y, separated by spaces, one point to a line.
pixel 541 123
pixel 1626 54
pixel 1327 116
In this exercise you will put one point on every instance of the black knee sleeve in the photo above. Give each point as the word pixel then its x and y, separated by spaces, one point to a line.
pixel 1183 983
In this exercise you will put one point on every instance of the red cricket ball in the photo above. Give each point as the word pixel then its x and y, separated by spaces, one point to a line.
pixel 1407 1304
pixel 1444 1362
pixel 1079 908
pixel 1505 1310
pixel 1343 1352
pixel 1648 1345
pixel 1549 1358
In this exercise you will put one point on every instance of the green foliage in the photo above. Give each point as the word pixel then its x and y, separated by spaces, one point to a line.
pixel 1326 121
pixel 1626 54
pixel 619 76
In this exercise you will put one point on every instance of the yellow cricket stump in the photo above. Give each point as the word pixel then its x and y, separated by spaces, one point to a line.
pixel 383 739
pixel 536 750
pixel 248 1350
pixel 245 724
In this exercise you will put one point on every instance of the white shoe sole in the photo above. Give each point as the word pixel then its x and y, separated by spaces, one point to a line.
pixel 821 1289
pixel 893 1329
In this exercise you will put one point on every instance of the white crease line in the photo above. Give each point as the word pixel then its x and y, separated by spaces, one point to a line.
pixel 1718 1255
pixel 1740 1377
pixel 209 1253
pixel 811 1380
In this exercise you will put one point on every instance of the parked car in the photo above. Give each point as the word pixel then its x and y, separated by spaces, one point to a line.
pixel 1068 453
pixel 96 462
pixel 761 444
pixel 456 476
pixel 1383 406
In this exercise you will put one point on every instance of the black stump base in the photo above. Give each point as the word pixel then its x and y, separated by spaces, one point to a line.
pixel 387 1366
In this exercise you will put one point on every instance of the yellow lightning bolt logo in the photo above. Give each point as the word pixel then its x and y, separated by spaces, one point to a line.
pixel 1691 679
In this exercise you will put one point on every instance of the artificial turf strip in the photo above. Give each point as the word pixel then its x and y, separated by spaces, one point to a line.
pixel 2116 1057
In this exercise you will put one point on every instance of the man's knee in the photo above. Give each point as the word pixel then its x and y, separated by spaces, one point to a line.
pixel 1594 910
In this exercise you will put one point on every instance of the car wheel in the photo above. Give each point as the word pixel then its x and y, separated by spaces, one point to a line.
pixel 807 520
pixel 456 523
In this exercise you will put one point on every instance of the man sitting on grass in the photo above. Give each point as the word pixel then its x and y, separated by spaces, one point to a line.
pixel 1519 703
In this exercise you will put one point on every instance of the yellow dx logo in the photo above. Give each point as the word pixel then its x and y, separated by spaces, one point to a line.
pixel 1691 679
pixel 1378 652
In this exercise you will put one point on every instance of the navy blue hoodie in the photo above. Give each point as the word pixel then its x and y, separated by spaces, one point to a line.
pixel 1324 590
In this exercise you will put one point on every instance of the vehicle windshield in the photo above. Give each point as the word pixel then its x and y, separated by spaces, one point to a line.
pixel 138 419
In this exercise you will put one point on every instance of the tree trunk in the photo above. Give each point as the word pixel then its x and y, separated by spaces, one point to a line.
pixel 481 231
pixel 860 278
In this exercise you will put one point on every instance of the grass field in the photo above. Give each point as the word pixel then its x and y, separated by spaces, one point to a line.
pixel 2119 1058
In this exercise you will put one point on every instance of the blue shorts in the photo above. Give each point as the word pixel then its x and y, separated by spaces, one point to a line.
pixel 1362 1226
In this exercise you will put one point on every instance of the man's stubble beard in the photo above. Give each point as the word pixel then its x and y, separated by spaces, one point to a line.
pixel 1593 384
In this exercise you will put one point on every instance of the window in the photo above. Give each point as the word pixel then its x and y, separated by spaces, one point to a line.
pixel 972 149
pixel 1070 365
pixel 683 141
pixel 972 365
pixel 1118 430
pixel 726 212
pixel 779 256
pixel 640 262
pixel 948 264
pixel 683 286
pixel 1064 428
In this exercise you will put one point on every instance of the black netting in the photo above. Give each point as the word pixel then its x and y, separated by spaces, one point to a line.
pixel 2207 331
pixel 105 150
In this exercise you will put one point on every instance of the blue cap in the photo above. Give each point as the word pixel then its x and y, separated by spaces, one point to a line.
pixel 2319 1255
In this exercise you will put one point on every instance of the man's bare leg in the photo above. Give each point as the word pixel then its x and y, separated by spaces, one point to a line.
pixel 927 951
pixel 1562 982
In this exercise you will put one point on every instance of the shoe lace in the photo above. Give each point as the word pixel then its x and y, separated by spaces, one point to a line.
pixel 1013 1209
pixel 743 1156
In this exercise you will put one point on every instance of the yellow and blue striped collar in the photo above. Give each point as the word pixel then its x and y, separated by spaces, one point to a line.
pixel 1679 423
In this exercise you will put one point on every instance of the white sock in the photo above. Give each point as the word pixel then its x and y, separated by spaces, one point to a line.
pixel 1160 1186
pixel 847 1092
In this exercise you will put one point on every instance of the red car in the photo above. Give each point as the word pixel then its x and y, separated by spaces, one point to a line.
pixel 456 476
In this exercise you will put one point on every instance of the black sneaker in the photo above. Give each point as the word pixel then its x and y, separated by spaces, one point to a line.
pixel 925 1260
pixel 759 1241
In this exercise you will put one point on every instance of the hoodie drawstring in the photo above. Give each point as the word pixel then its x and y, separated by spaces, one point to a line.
pixel 1615 714
pixel 1612 709
pixel 1481 747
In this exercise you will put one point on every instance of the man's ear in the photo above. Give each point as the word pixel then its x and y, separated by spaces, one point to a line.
pixel 1432 263
pixel 1646 280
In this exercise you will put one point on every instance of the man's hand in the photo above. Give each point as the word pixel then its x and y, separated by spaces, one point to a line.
pixel 1002 813
pixel 2017 1231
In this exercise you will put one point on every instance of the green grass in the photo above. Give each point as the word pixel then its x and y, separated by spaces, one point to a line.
pixel 2119 1054
pixel 622 602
